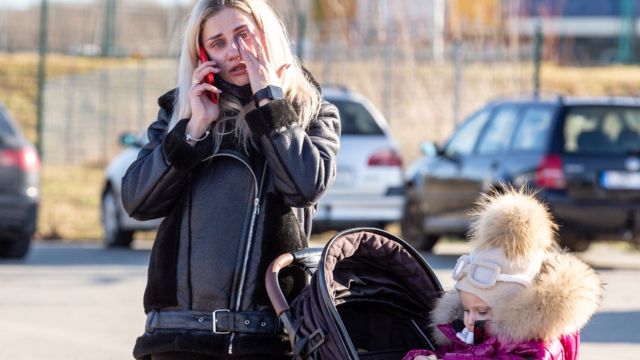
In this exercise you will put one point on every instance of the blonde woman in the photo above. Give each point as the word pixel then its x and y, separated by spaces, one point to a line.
pixel 236 179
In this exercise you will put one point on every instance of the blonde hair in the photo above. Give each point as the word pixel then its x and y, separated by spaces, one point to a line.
pixel 296 86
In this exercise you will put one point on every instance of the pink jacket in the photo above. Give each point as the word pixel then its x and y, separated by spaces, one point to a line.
pixel 563 348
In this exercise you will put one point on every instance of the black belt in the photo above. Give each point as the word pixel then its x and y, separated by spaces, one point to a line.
pixel 219 321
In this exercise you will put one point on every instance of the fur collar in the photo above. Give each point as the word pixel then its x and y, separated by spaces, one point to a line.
pixel 564 296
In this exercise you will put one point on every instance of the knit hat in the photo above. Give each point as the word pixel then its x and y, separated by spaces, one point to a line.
pixel 510 234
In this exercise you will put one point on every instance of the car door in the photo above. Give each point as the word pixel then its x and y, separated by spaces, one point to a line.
pixel 445 189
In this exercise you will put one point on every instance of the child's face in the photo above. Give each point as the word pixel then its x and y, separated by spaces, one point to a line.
pixel 475 309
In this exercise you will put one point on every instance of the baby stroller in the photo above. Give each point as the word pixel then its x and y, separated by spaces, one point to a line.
pixel 369 298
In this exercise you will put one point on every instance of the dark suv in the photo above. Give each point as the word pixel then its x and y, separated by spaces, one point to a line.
pixel 19 189
pixel 582 154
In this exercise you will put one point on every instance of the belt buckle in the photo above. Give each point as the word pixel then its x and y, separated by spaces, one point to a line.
pixel 215 321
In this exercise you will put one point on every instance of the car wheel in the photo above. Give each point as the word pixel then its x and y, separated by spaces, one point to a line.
pixel 575 243
pixel 412 229
pixel 114 235
pixel 16 249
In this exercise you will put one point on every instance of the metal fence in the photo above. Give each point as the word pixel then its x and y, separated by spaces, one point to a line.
pixel 423 81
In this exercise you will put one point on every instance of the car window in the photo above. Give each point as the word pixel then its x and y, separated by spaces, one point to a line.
pixel 356 119
pixel 464 139
pixel 532 133
pixel 602 130
pixel 5 126
pixel 497 136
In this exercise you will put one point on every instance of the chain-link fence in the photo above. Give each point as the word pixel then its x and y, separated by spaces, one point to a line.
pixel 400 54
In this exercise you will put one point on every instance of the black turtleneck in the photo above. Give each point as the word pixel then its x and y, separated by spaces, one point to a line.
pixel 242 93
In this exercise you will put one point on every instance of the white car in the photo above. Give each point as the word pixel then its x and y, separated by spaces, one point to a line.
pixel 368 191
pixel 118 226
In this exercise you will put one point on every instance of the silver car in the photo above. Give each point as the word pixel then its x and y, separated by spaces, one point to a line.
pixel 368 191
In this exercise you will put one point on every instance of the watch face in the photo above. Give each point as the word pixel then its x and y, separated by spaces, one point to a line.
pixel 275 92
pixel 270 92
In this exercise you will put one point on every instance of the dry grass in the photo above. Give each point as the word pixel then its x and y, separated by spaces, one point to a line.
pixel 70 203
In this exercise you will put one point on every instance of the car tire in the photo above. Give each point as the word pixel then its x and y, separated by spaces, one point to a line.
pixel 412 229
pixel 114 235
pixel 16 249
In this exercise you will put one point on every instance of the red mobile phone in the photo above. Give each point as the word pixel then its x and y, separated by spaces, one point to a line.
pixel 209 78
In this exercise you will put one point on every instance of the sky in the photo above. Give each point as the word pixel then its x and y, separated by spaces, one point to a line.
pixel 18 4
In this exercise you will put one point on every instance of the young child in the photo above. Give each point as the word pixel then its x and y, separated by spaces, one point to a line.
pixel 530 298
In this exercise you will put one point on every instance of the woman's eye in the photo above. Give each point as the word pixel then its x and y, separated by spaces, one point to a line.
pixel 217 44
pixel 244 34
pixel 483 313
pixel 466 311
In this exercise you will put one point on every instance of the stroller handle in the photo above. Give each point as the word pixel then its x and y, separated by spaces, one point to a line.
pixel 273 287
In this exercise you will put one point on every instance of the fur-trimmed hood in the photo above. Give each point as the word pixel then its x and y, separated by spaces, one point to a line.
pixel 564 295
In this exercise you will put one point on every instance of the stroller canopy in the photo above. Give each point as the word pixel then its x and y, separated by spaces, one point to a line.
pixel 369 298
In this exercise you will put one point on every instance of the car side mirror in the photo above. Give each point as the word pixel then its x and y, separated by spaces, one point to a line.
pixel 130 139
pixel 429 149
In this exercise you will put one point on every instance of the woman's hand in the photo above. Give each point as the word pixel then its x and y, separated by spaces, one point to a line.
pixel 261 70
pixel 203 111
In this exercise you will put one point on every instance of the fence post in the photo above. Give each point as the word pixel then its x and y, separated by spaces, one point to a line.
pixel 537 59
pixel 457 79
pixel 69 119
pixel 387 87
pixel 302 27
pixel 625 41
pixel 142 75
pixel 109 30
pixel 42 61
pixel 105 119
pixel 327 77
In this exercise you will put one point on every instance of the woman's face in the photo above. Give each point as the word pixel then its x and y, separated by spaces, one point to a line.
pixel 219 37
pixel 475 309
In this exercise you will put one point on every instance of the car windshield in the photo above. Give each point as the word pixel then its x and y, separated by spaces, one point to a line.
pixel 356 119
pixel 602 130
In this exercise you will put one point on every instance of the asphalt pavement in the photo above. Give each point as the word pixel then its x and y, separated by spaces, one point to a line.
pixel 79 301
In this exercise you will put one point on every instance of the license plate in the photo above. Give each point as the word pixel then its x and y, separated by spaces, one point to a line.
pixel 620 180
pixel 345 176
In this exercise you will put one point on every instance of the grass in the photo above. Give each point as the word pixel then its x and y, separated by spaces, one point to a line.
pixel 420 109
pixel 70 203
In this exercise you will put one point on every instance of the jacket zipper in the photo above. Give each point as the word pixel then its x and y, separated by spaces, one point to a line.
pixel 248 245
pixel 254 214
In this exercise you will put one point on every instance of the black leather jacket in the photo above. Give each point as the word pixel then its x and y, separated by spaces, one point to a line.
pixel 227 216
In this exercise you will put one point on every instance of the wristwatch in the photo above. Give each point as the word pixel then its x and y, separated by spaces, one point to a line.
pixel 270 92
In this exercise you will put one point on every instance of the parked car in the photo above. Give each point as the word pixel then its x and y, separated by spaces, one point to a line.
pixel 19 189
pixel 581 154
pixel 118 226
pixel 368 190
pixel 369 186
